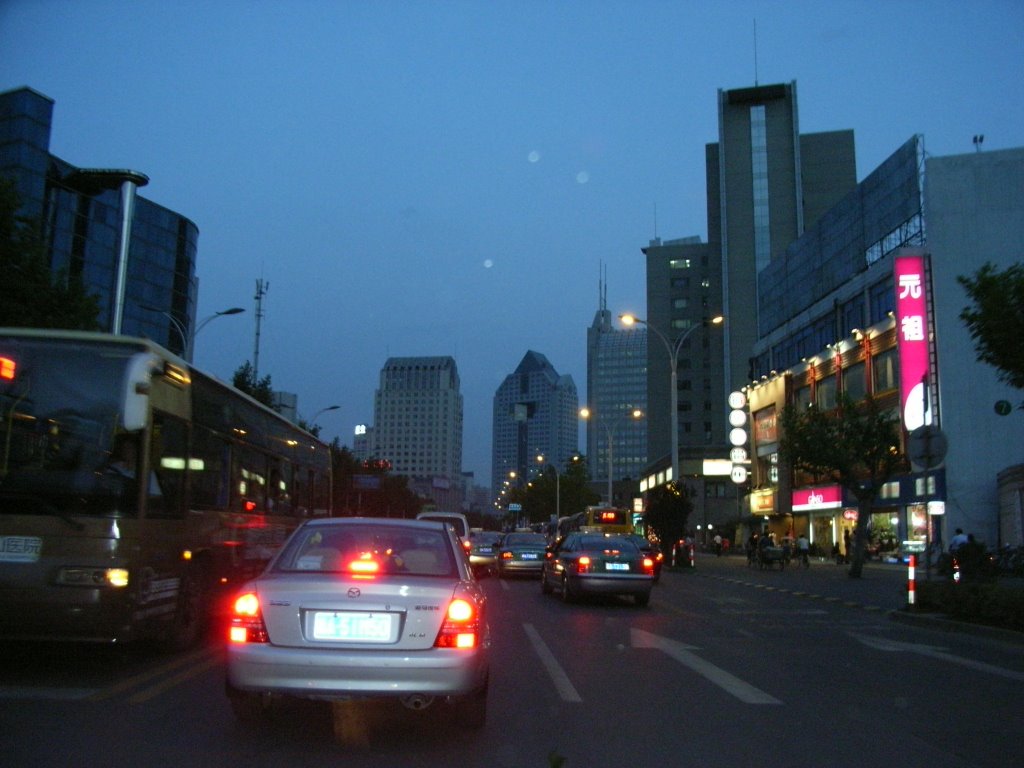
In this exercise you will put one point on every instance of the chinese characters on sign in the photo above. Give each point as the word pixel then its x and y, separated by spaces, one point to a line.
pixel 912 328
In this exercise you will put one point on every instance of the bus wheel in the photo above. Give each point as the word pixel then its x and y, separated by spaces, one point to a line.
pixel 190 616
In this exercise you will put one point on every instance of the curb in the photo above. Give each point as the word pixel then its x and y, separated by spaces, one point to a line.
pixel 942 623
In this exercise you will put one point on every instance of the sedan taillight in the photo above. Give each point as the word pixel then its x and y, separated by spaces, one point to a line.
pixel 247 621
pixel 648 565
pixel 461 627
pixel 583 564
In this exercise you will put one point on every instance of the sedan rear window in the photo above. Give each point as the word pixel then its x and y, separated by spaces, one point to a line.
pixel 368 550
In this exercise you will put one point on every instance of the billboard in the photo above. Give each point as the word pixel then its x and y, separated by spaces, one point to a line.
pixel 912 329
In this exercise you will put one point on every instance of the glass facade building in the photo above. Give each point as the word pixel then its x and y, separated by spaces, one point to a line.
pixel 81 212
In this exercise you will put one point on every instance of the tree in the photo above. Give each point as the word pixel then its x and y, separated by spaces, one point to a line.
pixel 995 319
pixel 244 380
pixel 668 511
pixel 855 445
pixel 34 295
pixel 572 488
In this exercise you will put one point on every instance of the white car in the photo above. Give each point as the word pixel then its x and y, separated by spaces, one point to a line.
pixel 362 608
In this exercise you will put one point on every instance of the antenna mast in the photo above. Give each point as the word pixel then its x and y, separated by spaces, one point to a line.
pixel 261 291
pixel 755 53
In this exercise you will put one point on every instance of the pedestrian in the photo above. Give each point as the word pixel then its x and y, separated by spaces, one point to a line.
pixel 803 548
pixel 718 544
pixel 958 540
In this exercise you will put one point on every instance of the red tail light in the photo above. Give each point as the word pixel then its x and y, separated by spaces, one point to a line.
pixel 247 621
pixel 461 627
pixel 506 555
pixel 648 565
pixel 583 564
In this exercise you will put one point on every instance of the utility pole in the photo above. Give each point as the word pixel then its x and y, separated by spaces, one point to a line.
pixel 261 291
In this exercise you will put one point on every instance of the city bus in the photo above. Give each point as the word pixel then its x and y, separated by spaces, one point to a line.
pixel 135 490
pixel 597 519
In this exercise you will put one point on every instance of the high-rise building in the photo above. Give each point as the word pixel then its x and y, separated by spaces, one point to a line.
pixel 418 425
pixel 535 414
pixel 148 288
pixel 766 183
pixel 616 386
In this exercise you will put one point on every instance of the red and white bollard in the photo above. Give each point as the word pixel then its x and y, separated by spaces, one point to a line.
pixel 693 563
pixel 911 567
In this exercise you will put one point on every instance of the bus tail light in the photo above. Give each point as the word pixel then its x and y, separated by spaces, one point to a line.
pixel 247 621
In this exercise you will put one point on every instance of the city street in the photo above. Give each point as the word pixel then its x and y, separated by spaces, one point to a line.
pixel 728 666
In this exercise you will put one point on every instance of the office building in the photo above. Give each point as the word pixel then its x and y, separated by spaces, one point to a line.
pixel 145 282
pixel 616 387
pixel 846 334
pixel 766 182
pixel 536 413
pixel 418 426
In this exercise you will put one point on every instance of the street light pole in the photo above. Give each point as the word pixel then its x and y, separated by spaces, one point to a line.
pixel 558 489
pixel 673 357
pixel 609 428
pixel 312 421
pixel 188 340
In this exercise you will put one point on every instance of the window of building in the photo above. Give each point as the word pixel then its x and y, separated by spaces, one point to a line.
pixel 679 264
pixel 885 370
pixel 854 383
pixel 825 393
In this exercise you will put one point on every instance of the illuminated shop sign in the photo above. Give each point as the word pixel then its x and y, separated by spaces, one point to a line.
pixel 827 497
pixel 912 334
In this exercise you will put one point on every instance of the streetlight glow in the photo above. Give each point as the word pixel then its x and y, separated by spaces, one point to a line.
pixel 634 413
pixel 672 348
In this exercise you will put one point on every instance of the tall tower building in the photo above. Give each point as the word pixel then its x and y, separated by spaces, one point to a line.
pixel 136 256
pixel 418 425
pixel 766 183
pixel 535 414
pixel 616 385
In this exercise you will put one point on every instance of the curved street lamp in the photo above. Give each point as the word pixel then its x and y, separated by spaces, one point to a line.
pixel 188 340
pixel 312 421
pixel 673 355
pixel 609 428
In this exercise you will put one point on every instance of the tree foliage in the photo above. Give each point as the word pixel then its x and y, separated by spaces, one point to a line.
pixel 244 380
pixel 995 319
pixel 668 514
pixel 34 295
pixel 571 489
pixel 855 445
pixel 385 495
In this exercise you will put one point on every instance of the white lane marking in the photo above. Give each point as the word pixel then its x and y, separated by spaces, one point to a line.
pixel 561 680
pixel 880 644
pixel 731 684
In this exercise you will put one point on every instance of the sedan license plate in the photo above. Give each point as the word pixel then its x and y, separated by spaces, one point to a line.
pixel 616 566
pixel 352 627
pixel 529 555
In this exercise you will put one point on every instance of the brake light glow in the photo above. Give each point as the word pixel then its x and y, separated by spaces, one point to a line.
pixel 648 565
pixel 461 626
pixel 364 564
pixel 7 368
pixel 247 621
pixel 583 564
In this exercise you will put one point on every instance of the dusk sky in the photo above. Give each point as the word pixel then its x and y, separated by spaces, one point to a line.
pixel 447 178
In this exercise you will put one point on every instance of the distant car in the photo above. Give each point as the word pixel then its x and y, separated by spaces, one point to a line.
pixel 362 608
pixel 521 554
pixel 483 549
pixel 650 549
pixel 597 564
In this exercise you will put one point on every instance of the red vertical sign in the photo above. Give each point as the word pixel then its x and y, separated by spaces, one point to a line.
pixel 912 333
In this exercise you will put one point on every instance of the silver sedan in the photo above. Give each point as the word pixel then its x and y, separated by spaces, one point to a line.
pixel 362 608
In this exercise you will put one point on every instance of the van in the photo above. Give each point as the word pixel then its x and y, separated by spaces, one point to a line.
pixel 456 520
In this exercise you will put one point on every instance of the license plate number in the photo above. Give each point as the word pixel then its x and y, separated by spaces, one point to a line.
pixel 529 555
pixel 616 566
pixel 352 627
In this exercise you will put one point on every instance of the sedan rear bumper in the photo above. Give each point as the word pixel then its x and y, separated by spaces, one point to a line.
pixel 339 674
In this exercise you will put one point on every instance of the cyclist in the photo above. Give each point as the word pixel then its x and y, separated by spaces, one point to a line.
pixel 803 547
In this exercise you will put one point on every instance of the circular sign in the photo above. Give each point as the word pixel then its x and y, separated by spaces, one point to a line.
pixel 739 474
pixel 927 446
pixel 738 436
pixel 737 418
pixel 737 454
pixel 1003 407
pixel 737 400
